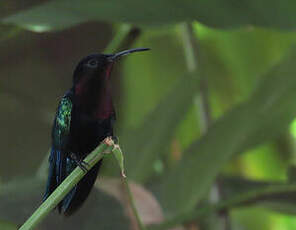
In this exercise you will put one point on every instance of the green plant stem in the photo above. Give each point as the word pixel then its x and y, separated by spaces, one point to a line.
pixel 65 187
pixel 132 204
pixel 190 47
pixel 191 50
pixel 247 198
pixel 119 156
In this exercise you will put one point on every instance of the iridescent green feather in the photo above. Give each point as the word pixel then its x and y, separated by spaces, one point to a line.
pixel 60 135
pixel 63 122
pixel 64 114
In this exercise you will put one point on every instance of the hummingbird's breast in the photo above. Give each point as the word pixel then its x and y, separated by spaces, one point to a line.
pixel 91 118
pixel 93 96
pixel 91 114
pixel 87 132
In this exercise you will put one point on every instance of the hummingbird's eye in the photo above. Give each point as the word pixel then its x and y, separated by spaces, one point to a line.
pixel 93 63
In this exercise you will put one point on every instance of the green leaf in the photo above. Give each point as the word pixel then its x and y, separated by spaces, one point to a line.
pixel 60 14
pixel 263 116
pixel 120 159
pixel 260 192
pixel 283 202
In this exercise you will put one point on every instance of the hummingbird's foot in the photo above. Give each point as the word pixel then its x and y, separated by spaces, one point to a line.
pixel 79 162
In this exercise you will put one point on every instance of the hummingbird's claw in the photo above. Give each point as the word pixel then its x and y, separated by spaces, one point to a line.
pixel 82 164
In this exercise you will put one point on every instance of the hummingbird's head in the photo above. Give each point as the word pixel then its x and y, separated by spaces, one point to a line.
pixel 97 67
pixel 91 66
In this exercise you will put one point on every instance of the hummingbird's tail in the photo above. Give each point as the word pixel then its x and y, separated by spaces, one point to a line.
pixel 75 198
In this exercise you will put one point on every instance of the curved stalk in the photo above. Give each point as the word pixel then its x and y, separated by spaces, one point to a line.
pixel 62 190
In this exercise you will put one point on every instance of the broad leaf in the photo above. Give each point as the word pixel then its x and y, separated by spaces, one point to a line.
pixel 283 201
pixel 60 14
pixel 263 116
pixel 144 145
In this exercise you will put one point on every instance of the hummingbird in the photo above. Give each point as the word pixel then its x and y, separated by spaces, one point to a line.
pixel 85 117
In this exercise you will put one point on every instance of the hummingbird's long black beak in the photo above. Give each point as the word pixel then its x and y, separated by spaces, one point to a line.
pixel 125 52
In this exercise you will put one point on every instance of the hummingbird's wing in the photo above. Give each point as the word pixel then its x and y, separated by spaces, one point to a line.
pixel 60 137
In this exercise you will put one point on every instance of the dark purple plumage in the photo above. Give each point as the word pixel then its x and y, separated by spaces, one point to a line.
pixel 85 117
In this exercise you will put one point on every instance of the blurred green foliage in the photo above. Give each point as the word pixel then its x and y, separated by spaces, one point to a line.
pixel 244 79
